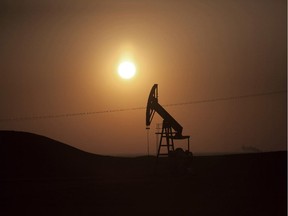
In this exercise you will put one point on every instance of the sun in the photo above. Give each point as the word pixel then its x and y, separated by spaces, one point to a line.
pixel 126 70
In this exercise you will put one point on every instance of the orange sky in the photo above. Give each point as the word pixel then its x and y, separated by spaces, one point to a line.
pixel 61 57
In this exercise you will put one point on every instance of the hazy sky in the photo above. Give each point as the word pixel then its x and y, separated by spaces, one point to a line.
pixel 60 57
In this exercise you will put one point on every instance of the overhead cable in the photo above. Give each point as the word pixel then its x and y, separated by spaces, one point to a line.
pixel 219 99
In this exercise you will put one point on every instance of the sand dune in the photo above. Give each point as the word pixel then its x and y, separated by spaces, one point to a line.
pixel 40 176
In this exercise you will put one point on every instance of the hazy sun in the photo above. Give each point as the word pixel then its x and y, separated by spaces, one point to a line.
pixel 126 70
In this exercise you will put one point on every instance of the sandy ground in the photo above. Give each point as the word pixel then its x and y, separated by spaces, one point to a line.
pixel 84 184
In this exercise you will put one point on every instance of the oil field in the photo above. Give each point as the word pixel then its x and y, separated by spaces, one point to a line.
pixel 124 107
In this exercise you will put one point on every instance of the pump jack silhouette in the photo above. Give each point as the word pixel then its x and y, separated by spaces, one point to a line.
pixel 171 129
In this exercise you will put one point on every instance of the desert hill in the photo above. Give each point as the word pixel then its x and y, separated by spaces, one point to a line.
pixel 41 176
pixel 26 155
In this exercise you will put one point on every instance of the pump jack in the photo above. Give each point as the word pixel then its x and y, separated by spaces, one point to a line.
pixel 171 129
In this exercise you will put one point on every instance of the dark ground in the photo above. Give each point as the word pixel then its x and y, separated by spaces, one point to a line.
pixel 39 176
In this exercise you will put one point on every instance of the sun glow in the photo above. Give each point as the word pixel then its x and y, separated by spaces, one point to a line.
pixel 126 70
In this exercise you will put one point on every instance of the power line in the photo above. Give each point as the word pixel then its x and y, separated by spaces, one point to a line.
pixel 228 98
pixel 38 117
pixel 67 114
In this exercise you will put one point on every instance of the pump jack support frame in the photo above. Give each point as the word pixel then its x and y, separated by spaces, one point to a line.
pixel 168 135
